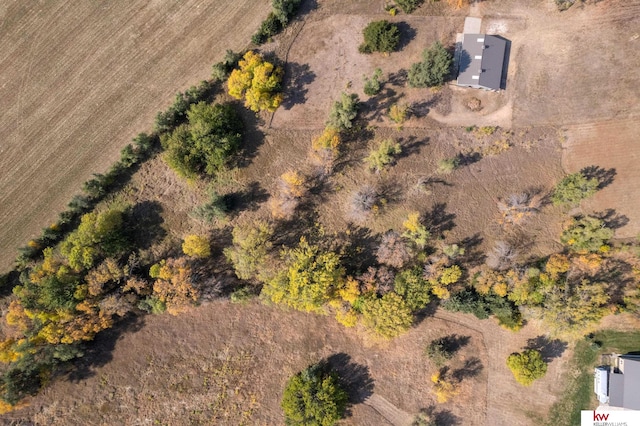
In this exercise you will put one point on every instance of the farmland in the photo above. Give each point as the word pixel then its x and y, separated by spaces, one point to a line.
pixel 218 362
pixel 78 81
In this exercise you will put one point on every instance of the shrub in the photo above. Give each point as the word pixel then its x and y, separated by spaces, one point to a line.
pixel 343 112
pixel 241 295
pixel 574 188
pixel 439 351
pixel 516 208
pixel 291 188
pixel 256 81
pixel 196 246
pixel 388 316
pixel 409 6
pixel 502 256
pixel 398 113
pixel 383 154
pixel 435 66
pixel 527 366
pixel 588 234
pixel 372 86
pixel 268 28
pixel 221 70
pixel 444 387
pixel 448 165
pixel 380 36
pixel 314 397
pixel 152 305
pixel 415 231
pixel 215 208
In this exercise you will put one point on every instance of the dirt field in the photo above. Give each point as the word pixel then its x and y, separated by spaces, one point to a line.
pixel 215 365
pixel 79 80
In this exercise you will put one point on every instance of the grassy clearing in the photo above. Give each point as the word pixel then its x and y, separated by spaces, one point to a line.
pixel 578 394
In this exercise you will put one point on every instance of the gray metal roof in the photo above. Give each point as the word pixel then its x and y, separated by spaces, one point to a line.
pixel 481 61
pixel 624 389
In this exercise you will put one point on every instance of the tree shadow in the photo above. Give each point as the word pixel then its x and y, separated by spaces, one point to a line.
pixel 605 177
pixel 354 378
pixel 358 247
pixel 472 256
pixel 411 145
pixel 468 158
pixel 306 7
pixel 249 199
pixel 612 219
pixel 438 220
pixel 398 79
pixel 421 109
pixel 252 137
pixel 297 77
pixel 143 224
pixel 407 35
pixel 471 368
pixel 549 348
pixel 377 107
pixel 454 342
pixel 99 352
pixel 431 416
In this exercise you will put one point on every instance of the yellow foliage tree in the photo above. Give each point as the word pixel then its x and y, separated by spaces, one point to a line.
pixel 258 82
pixel 444 387
pixel 196 246
pixel 329 139
pixel 174 285
pixel 415 231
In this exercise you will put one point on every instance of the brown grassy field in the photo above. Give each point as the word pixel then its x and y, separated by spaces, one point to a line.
pixel 79 80
pixel 227 364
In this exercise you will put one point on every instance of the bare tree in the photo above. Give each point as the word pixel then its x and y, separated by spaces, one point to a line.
pixel 516 208
pixel 393 250
pixel 502 256
pixel 362 202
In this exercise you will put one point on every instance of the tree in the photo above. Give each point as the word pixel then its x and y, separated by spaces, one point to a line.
pixel 291 188
pixel 439 351
pixel 380 36
pixel 204 145
pixel 343 112
pixel 174 285
pixel 393 250
pixel 284 10
pixel 251 245
pixel 314 397
pixel 444 386
pixel 413 288
pixel 587 234
pixel 221 70
pixel 310 279
pixel 196 246
pixel 527 366
pixel 362 203
pixel 573 188
pixel 258 82
pixel 435 66
pixel 382 155
pixel 415 231
pixel 388 316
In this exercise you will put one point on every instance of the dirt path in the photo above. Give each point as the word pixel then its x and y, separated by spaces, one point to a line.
pixel 390 412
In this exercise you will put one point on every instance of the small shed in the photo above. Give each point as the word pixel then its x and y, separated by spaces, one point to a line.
pixel 481 61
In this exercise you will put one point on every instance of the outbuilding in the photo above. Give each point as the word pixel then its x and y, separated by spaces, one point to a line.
pixel 481 61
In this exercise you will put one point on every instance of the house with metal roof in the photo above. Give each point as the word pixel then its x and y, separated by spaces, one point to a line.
pixel 481 61
pixel 624 383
